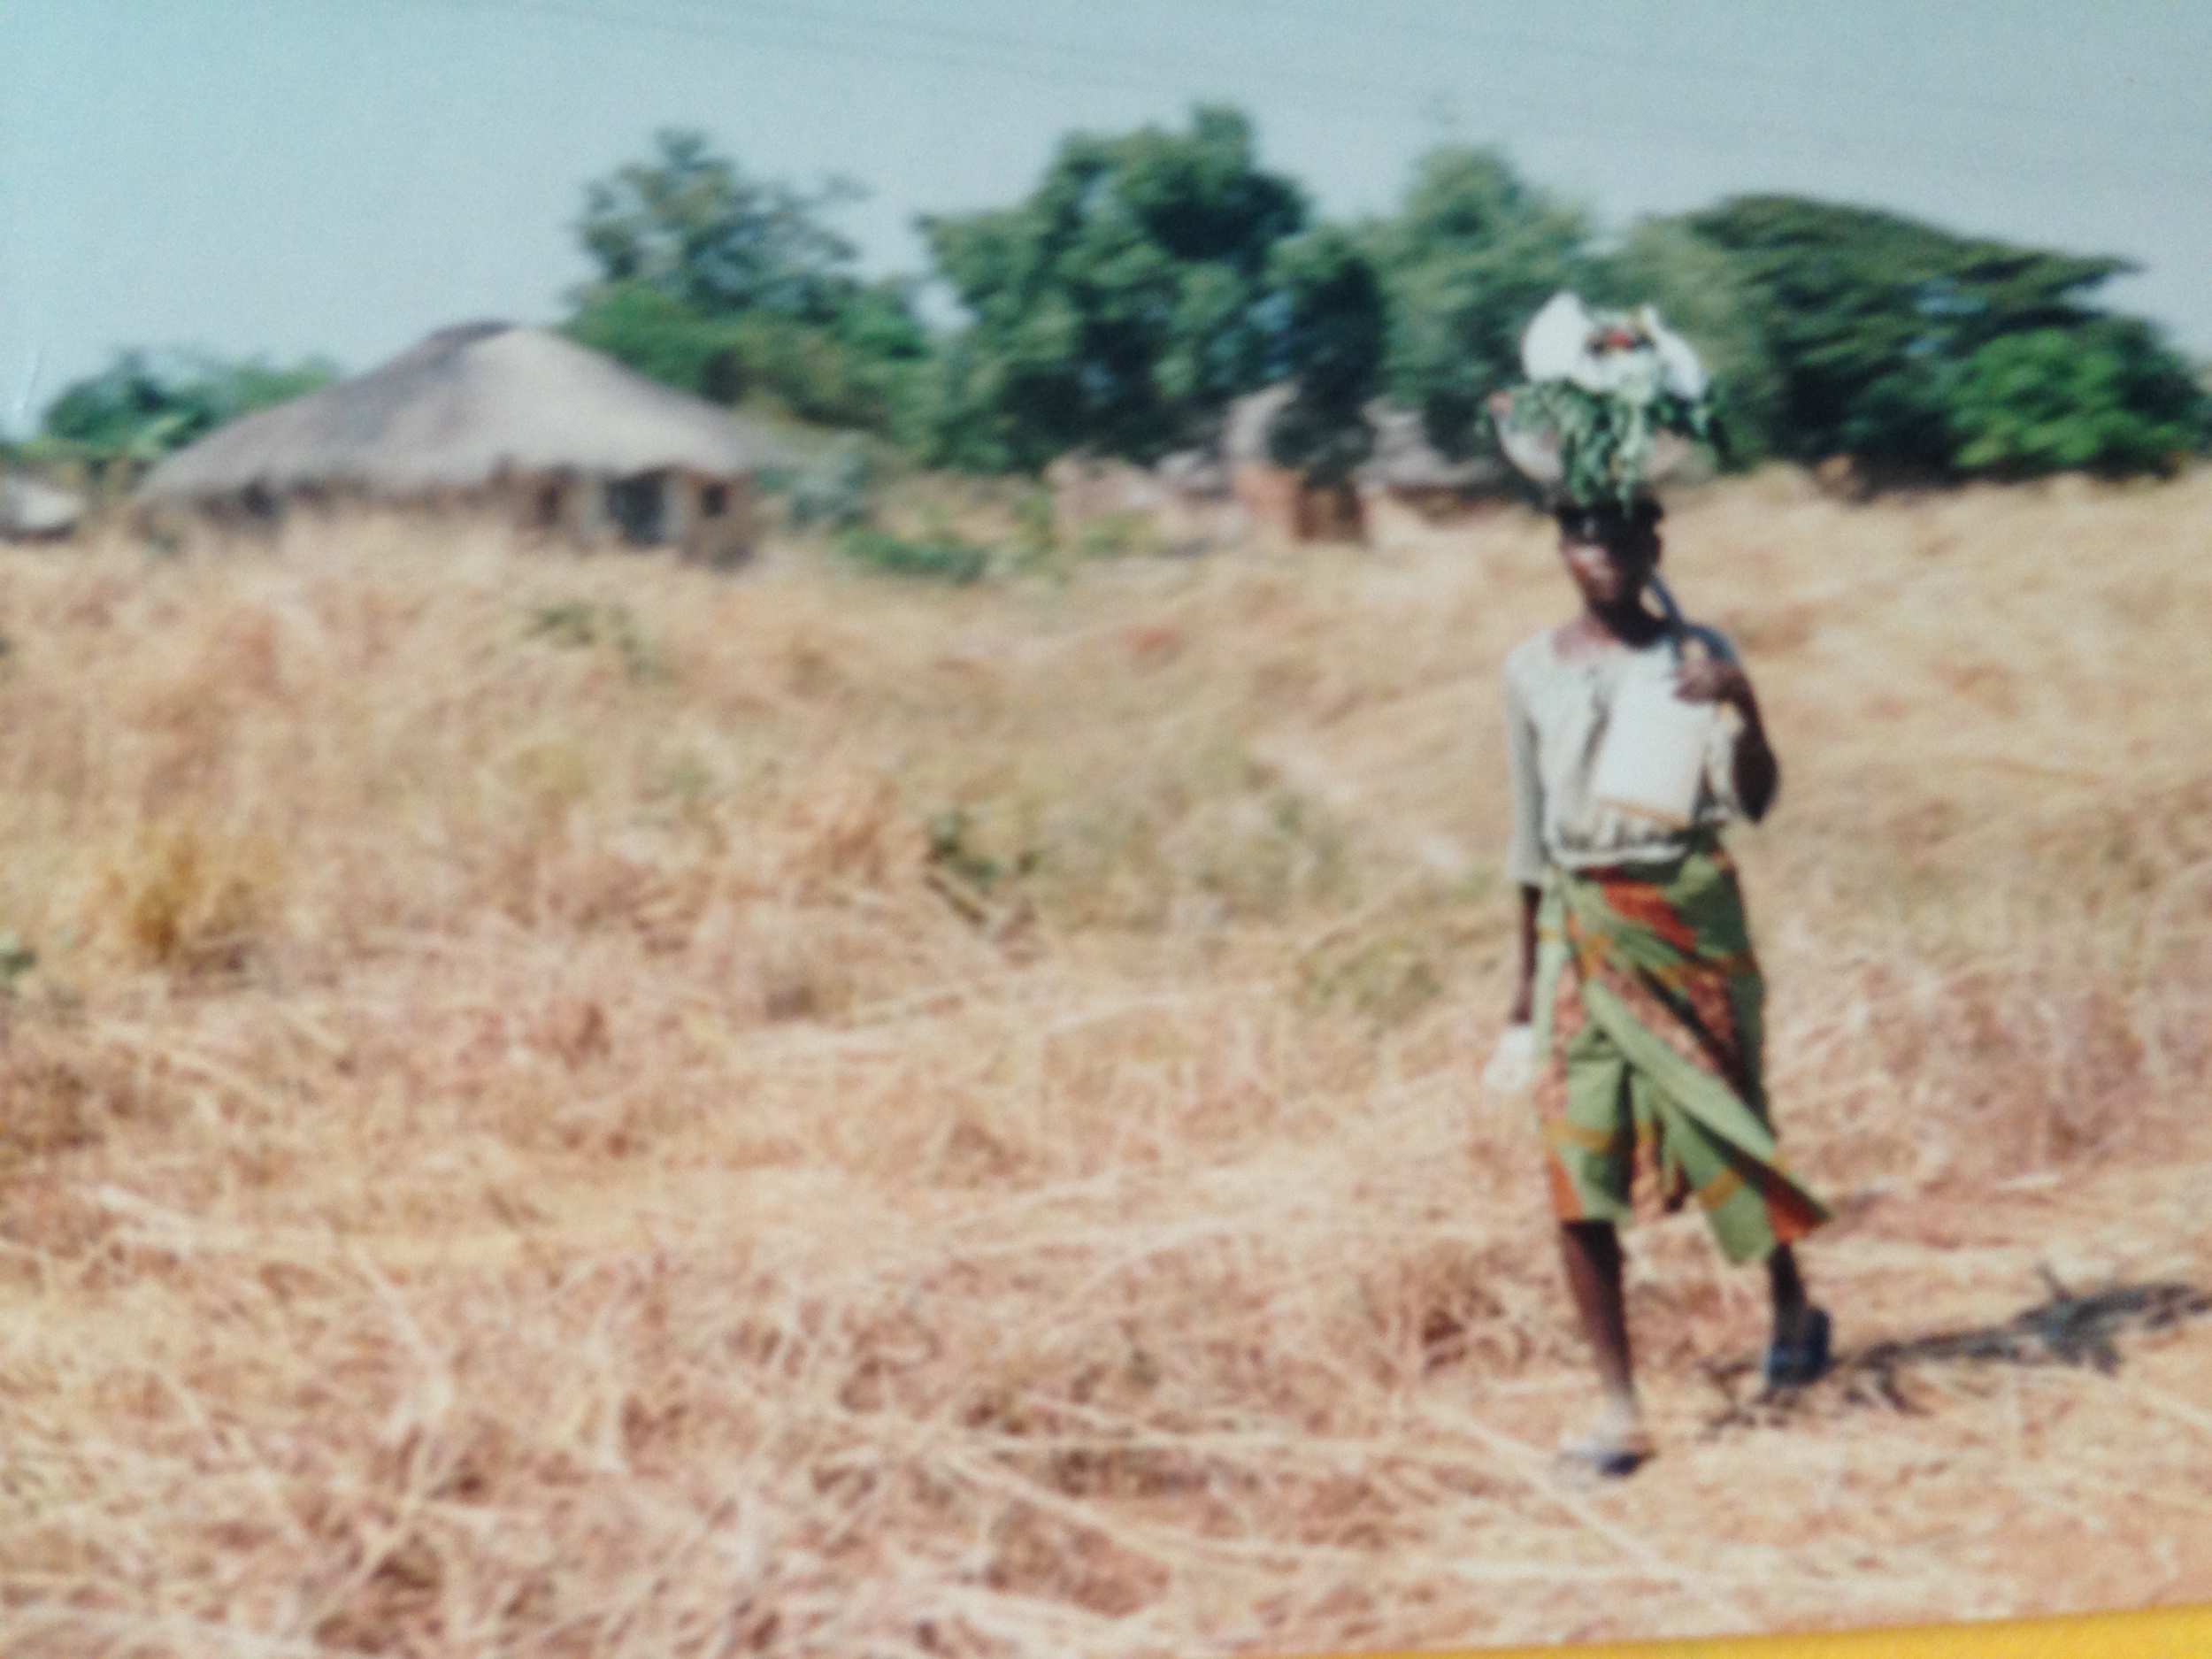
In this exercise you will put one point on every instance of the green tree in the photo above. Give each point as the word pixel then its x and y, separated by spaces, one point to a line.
pixel 1119 307
pixel 2105 397
pixel 1467 259
pixel 859 370
pixel 1331 326
pixel 693 226
pixel 733 287
pixel 662 336
pixel 145 404
pixel 1871 318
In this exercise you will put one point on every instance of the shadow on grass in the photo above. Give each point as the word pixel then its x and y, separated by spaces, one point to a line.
pixel 2065 1330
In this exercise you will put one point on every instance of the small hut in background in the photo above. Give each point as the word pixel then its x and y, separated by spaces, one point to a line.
pixel 1180 505
pixel 1198 498
pixel 1278 501
pixel 1406 484
pixel 519 423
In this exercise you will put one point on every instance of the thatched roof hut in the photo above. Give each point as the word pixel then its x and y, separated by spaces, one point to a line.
pixel 1404 480
pixel 1278 501
pixel 1234 486
pixel 519 420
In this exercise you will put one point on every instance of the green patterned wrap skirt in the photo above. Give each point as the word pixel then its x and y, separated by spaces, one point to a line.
pixel 1647 1024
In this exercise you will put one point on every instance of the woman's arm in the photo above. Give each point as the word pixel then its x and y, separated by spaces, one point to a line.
pixel 1525 859
pixel 1524 982
pixel 1757 774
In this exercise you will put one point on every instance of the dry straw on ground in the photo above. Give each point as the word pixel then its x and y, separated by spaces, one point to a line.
pixel 590 1107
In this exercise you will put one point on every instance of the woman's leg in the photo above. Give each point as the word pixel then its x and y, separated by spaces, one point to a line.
pixel 1591 1250
pixel 1793 1312
pixel 1799 1352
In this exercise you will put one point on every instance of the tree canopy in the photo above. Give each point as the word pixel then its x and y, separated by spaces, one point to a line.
pixel 1120 307
pixel 1331 324
pixel 1874 324
pixel 733 287
pixel 145 404
pixel 1150 278
pixel 1472 254
pixel 2103 398
pixel 693 226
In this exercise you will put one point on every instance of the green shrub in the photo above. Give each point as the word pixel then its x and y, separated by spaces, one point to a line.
pixel 2103 398
pixel 939 558
pixel 145 405
pixel 833 491
pixel 1115 535
pixel 578 623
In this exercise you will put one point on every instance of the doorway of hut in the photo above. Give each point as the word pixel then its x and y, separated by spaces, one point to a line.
pixel 639 507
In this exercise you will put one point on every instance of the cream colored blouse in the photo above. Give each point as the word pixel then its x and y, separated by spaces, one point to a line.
pixel 1556 710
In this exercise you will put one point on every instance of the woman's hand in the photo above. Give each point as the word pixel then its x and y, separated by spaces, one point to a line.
pixel 1709 680
pixel 1757 774
pixel 1512 1066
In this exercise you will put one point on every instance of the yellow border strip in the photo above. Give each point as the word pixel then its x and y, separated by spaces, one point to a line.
pixel 2179 1632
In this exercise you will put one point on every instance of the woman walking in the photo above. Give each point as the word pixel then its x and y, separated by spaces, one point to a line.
pixel 1636 968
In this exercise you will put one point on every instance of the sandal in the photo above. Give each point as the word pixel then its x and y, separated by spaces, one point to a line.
pixel 1611 1452
pixel 1794 1364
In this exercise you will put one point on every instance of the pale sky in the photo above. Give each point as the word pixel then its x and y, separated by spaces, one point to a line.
pixel 294 177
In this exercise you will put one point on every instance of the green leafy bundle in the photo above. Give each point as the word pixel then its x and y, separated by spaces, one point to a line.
pixel 1602 392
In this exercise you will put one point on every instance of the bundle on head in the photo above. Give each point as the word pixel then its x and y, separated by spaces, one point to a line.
pixel 1611 403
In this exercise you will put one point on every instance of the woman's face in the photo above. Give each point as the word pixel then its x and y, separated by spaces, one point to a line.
pixel 1610 574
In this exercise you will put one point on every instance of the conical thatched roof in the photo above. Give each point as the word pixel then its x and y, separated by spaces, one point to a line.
pixel 453 412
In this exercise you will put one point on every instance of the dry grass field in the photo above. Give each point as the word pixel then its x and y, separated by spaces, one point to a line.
pixel 587 1107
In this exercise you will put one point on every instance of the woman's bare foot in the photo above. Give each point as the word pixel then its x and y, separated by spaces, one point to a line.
pixel 1615 1444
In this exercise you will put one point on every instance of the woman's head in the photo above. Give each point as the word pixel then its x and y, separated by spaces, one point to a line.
pixel 1610 552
